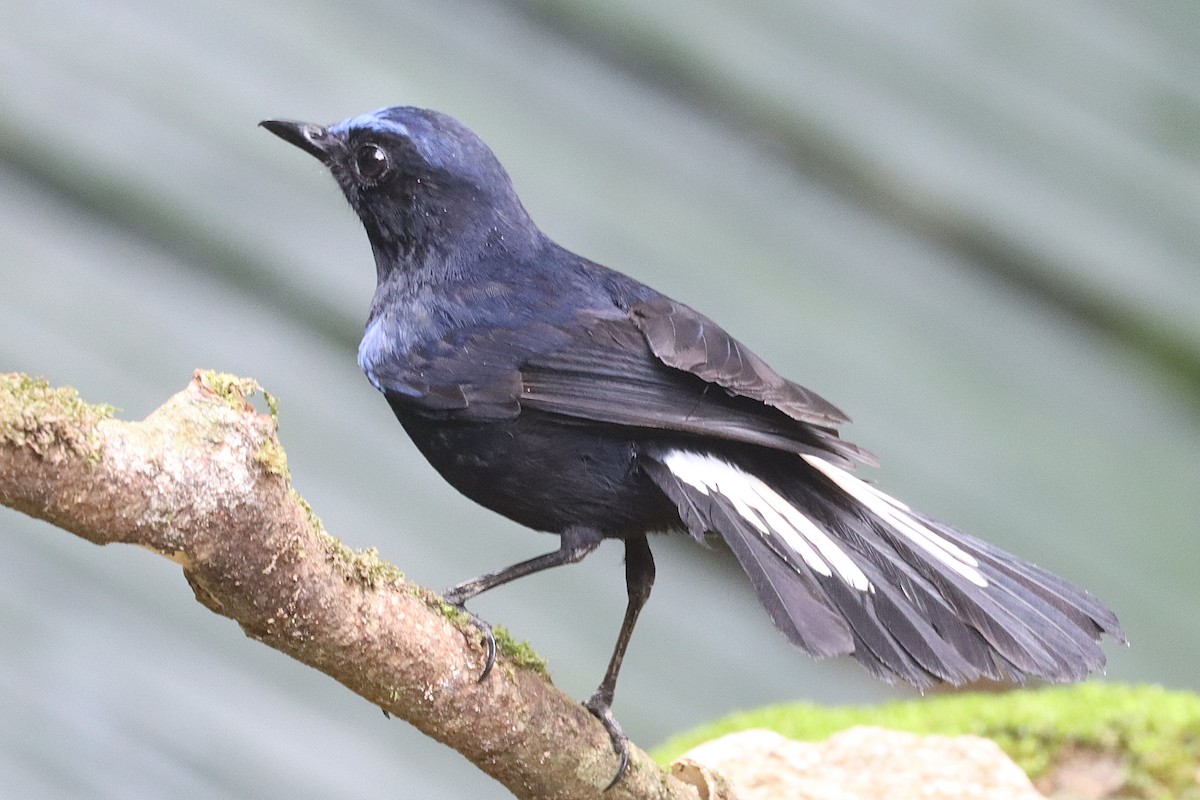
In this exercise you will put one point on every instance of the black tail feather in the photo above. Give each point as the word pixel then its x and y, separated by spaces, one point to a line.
pixel 792 598
pixel 924 618
pixel 1077 604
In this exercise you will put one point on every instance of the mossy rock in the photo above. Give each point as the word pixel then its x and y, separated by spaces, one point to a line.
pixel 1147 736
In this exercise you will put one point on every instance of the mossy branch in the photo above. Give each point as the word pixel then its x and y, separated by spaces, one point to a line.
pixel 204 482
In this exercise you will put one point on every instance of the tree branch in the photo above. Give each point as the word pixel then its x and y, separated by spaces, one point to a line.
pixel 203 481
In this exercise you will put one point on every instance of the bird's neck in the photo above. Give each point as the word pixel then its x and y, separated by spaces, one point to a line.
pixel 440 239
pixel 436 248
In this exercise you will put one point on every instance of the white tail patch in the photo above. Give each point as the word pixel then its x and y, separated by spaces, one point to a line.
pixel 768 511
pixel 899 517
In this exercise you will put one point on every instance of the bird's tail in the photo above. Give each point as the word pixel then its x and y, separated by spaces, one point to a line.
pixel 843 568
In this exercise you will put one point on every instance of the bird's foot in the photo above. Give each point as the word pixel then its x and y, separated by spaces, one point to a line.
pixel 485 629
pixel 601 709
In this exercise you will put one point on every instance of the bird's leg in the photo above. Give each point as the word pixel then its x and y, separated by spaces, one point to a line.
pixel 573 545
pixel 639 579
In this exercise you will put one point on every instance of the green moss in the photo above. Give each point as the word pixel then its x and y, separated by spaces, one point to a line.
pixel 272 406
pixel 274 459
pixel 373 571
pixel 516 652
pixel 363 566
pixel 460 618
pixel 1154 732
pixel 519 653
pixel 314 521
pixel 237 391
pixel 35 414
pixel 234 389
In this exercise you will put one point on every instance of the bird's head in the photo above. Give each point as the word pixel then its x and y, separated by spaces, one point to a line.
pixel 426 188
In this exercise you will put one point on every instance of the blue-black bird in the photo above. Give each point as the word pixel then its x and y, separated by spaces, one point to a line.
pixel 575 400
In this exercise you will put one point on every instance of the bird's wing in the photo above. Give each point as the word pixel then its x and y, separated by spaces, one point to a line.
pixel 687 340
pixel 659 366
pixel 663 366
pixel 466 374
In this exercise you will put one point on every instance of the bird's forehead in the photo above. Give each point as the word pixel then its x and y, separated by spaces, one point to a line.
pixel 435 137
pixel 382 121
pixel 440 140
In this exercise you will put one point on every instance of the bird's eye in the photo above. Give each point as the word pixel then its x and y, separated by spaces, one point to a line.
pixel 370 162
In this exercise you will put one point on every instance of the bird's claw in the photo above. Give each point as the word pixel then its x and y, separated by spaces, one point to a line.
pixel 489 640
pixel 601 709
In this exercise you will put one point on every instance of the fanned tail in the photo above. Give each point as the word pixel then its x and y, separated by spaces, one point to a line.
pixel 844 569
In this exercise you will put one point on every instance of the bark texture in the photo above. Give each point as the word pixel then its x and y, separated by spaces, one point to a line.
pixel 204 482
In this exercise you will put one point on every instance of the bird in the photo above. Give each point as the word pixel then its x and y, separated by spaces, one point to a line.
pixel 576 400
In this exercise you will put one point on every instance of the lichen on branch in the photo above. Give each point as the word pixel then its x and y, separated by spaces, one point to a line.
pixel 204 481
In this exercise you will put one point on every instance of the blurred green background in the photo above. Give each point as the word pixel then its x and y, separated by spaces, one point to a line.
pixel 973 226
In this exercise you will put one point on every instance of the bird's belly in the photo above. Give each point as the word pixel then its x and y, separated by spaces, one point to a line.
pixel 545 473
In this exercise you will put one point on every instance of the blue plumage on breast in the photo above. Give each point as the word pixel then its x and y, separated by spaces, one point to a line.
pixel 460 343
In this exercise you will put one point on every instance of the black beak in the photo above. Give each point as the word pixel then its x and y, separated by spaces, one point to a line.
pixel 312 139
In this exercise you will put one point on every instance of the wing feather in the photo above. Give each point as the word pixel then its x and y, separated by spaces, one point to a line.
pixel 659 366
pixel 610 373
pixel 685 339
